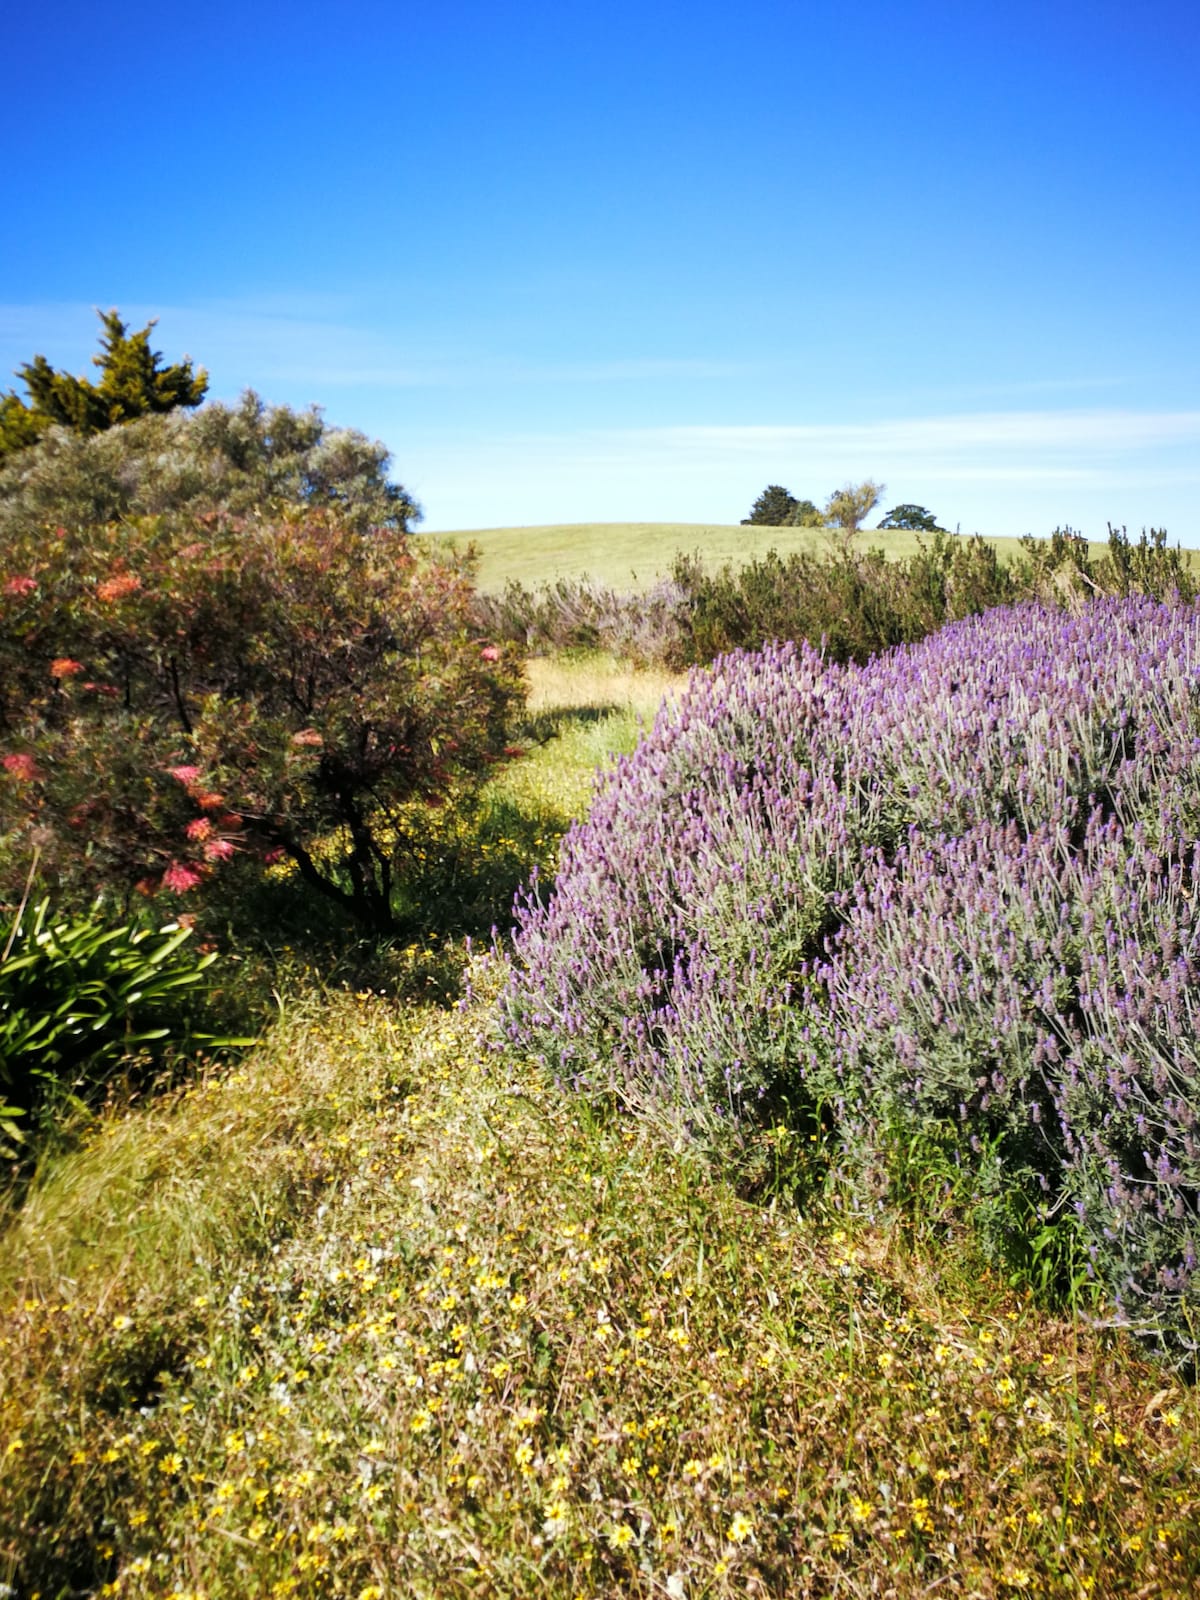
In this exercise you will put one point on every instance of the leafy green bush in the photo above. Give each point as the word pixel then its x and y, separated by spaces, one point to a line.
pixel 77 995
pixel 234 459
pixel 856 604
pixel 187 697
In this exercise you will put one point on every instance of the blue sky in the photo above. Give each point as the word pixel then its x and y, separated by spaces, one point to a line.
pixel 583 262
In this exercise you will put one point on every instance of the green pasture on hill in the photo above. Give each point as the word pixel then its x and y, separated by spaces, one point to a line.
pixel 632 555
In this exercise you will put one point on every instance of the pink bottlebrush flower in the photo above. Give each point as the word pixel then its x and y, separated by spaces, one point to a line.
pixel 490 652
pixel 181 876
pixel 219 849
pixel 23 767
pixel 271 858
pixel 20 585
pixel 201 828
pixel 185 774
pixel 64 667
pixel 308 736
pixel 118 586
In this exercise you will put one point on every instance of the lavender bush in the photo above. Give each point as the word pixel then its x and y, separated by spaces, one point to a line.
pixel 952 889
pixel 575 613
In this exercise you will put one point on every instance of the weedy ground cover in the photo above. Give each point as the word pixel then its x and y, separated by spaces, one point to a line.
pixel 415 1324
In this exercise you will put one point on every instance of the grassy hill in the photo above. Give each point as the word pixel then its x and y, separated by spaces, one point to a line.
pixel 631 555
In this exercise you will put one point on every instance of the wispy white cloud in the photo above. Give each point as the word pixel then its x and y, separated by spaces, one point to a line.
pixel 1032 447
pixel 990 433
pixel 998 471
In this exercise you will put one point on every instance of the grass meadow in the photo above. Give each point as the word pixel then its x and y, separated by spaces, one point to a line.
pixel 380 1312
pixel 632 555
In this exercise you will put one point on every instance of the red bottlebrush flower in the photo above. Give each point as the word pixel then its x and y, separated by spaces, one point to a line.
pixel 117 587
pixel 185 774
pixel 23 767
pixel 230 822
pixel 219 849
pixel 64 667
pixel 20 585
pixel 201 828
pixel 209 800
pixel 181 876
pixel 490 652
pixel 271 858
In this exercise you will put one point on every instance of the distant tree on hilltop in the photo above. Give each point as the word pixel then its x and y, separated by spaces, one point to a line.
pixel 777 507
pixel 850 505
pixel 772 509
pixel 132 384
pixel 915 518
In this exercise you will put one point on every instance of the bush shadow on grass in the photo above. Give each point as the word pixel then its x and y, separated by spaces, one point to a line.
pixel 540 727
pixel 458 869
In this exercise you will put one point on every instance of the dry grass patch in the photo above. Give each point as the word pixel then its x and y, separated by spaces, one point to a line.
pixel 558 683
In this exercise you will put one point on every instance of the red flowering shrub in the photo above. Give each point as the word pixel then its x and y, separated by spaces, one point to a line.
pixel 177 694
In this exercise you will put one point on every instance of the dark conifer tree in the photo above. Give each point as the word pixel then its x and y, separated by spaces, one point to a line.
pixel 133 383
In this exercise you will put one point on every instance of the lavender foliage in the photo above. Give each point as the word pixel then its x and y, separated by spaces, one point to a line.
pixel 956 886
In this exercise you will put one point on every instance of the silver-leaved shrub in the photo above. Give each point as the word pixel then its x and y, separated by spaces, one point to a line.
pixel 954 890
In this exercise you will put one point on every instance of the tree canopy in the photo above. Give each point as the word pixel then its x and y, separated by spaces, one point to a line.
pixel 915 518
pixel 777 507
pixel 850 505
pixel 133 383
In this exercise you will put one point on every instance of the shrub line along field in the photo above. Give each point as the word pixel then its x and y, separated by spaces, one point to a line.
pixel 633 555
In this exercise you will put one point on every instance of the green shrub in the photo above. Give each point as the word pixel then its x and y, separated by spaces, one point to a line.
pixel 77 996
pixel 185 698
pixel 236 459
pixel 854 604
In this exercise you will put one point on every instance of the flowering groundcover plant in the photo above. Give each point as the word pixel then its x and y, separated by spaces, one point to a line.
pixel 951 891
